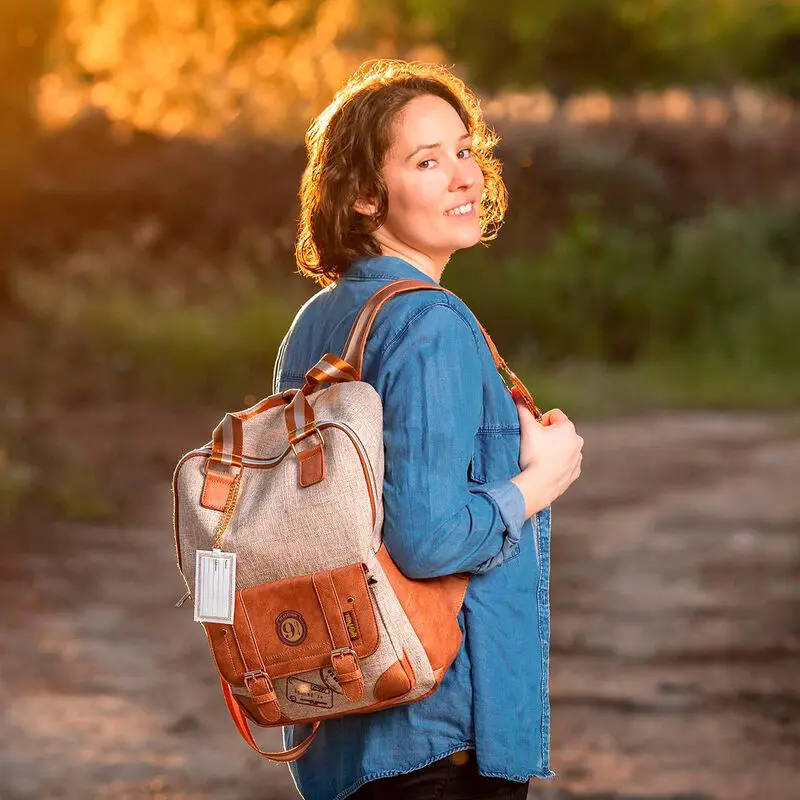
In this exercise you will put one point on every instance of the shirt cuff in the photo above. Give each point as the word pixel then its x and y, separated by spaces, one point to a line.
pixel 511 505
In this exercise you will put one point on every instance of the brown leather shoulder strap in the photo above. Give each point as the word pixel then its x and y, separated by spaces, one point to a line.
pixel 357 340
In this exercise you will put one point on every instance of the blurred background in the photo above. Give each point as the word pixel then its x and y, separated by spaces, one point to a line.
pixel 647 280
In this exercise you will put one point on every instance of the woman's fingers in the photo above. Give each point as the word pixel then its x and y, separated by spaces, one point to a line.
pixel 554 416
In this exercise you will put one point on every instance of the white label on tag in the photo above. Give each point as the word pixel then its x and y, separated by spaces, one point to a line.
pixel 214 586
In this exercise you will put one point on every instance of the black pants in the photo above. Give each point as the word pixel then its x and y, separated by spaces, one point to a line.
pixel 443 780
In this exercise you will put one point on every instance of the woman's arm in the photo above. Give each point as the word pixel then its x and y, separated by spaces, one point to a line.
pixel 429 379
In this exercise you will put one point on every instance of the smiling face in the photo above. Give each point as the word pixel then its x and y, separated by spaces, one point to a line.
pixel 434 186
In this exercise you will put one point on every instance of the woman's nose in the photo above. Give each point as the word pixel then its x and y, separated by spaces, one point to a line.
pixel 463 176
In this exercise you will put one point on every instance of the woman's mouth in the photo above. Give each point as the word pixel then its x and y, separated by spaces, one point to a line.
pixel 461 211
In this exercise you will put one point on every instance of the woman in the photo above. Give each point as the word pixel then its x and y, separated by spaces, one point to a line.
pixel 400 175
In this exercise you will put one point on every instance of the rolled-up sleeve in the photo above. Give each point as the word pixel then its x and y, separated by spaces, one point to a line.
pixel 436 522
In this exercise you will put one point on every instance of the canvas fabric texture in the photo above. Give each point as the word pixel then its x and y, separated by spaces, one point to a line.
pixel 279 529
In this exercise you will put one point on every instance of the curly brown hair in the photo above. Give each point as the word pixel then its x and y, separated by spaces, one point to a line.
pixel 347 144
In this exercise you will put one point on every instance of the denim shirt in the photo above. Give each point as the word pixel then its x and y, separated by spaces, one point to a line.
pixel 451 445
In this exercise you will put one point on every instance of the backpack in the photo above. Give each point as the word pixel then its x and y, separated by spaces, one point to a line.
pixel 286 499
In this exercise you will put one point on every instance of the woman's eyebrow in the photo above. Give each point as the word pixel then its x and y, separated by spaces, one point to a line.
pixel 434 146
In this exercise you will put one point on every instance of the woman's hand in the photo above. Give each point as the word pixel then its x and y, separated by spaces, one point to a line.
pixel 550 457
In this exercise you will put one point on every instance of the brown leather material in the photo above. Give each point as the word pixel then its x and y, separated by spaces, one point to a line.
pixel 343 658
pixel 239 717
pixel 253 713
pixel 353 352
pixel 263 694
pixel 348 674
pixel 251 710
pixel 396 681
pixel 216 488
pixel 225 650
pixel 312 465
pixel 326 621
pixel 280 627
pixel 332 611
pixel 431 606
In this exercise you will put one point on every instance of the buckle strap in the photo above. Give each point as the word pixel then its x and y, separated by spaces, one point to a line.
pixel 346 665
pixel 256 680
pixel 262 690
pixel 343 658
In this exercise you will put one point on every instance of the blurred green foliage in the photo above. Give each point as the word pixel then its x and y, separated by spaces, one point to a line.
pixel 615 45
pixel 717 292
pixel 723 288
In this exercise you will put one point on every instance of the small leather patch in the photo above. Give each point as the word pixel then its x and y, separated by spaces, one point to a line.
pixel 312 465
pixel 216 487
pixel 351 623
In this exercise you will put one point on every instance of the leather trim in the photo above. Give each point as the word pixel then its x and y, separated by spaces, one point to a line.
pixel 343 658
pixel 378 706
pixel 353 352
pixel 397 681
pixel 312 465
pixel 432 607
pixel 225 650
pixel 216 488
pixel 239 717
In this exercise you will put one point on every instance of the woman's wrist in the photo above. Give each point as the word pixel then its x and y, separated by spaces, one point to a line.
pixel 535 489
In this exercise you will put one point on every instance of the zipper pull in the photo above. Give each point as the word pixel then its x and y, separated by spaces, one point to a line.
pixel 370 580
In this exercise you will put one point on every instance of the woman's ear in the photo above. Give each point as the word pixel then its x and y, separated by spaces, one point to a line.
pixel 365 207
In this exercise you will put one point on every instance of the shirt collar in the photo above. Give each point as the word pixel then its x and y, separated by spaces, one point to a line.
pixel 389 267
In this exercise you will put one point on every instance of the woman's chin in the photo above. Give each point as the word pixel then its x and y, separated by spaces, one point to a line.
pixel 468 240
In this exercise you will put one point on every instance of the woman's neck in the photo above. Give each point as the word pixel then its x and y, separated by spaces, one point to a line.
pixel 433 268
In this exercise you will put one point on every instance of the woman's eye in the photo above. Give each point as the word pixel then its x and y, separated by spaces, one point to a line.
pixel 467 150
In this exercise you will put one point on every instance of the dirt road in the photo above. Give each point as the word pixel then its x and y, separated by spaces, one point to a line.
pixel 676 637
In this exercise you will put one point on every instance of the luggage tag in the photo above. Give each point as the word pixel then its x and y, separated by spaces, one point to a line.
pixel 214 586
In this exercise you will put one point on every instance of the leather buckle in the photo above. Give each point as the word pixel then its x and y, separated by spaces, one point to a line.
pixel 343 652
pixel 258 674
pixel 304 435
pixel 338 652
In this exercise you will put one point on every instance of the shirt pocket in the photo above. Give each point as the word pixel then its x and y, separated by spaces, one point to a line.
pixel 495 457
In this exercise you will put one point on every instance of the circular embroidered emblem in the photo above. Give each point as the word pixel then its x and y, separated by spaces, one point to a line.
pixel 291 627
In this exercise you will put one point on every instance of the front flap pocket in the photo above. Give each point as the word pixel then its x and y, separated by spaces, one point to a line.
pixel 495 455
pixel 293 625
